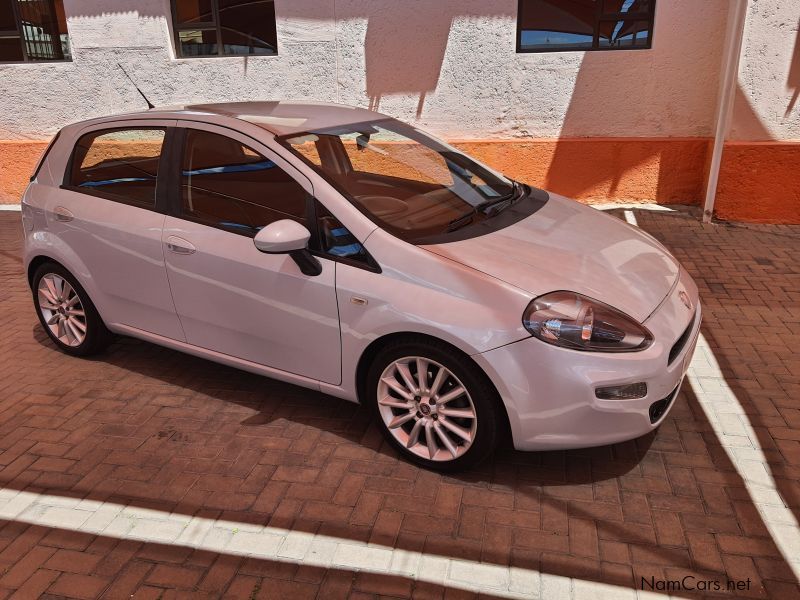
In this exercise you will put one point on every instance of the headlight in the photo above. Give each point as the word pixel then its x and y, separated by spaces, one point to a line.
pixel 570 320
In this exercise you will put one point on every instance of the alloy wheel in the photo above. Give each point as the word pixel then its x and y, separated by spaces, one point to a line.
pixel 426 408
pixel 62 310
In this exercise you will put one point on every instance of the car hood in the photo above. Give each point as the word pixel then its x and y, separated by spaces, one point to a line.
pixel 569 246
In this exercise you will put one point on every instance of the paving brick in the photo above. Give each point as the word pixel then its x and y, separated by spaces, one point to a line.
pixel 127 581
pixel 35 585
pixel 583 538
pixel 174 577
pixel 25 566
pixel 487 498
pixel 373 583
pixel 386 528
pixel 78 586
pixel 243 587
pixel 72 561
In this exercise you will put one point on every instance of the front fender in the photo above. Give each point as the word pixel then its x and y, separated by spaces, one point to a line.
pixel 421 292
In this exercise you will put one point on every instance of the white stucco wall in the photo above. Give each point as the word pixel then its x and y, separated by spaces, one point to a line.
pixel 450 65
pixel 767 104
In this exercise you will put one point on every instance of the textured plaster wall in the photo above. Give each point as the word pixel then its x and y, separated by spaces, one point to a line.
pixel 767 106
pixel 450 65
pixel 758 182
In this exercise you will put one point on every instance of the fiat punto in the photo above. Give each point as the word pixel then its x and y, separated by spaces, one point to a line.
pixel 345 251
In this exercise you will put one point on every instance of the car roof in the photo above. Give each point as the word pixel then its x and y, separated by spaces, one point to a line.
pixel 279 118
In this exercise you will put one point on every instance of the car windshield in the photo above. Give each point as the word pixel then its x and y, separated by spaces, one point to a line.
pixel 411 184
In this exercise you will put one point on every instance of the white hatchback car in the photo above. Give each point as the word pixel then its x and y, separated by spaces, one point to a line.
pixel 345 251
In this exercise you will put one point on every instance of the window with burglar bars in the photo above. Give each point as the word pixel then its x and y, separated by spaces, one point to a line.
pixel 562 25
pixel 224 27
pixel 33 30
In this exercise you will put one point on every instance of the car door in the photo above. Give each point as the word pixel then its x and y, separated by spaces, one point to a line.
pixel 230 297
pixel 110 212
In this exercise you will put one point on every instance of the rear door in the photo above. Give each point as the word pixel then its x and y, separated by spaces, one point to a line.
pixel 110 213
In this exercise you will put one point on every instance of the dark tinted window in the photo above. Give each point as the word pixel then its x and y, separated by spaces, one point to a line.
pixel 7 20
pixel 33 30
pixel 224 27
pixel 10 49
pixel 548 25
pixel 228 185
pixel 193 11
pixel 120 164
pixel 336 239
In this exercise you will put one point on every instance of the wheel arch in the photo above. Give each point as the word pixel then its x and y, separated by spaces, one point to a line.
pixel 371 351
pixel 37 261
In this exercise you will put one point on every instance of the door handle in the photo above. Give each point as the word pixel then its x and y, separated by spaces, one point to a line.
pixel 63 214
pixel 180 245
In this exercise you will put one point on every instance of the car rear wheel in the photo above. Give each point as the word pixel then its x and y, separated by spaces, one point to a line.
pixel 66 312
pixel 433 405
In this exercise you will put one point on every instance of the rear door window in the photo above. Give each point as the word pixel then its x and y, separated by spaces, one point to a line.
pixel 118 164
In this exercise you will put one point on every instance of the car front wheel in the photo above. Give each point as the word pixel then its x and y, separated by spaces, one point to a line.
pixel 433 405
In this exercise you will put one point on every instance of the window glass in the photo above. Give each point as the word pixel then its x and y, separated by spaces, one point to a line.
pixel 306 146
pixel 37 32
pixel 389 153
pixel 625 6
pixel 195 42
pixel 121 164
pixel 547 25
pixel 336 239
pixel 11 50
pixel 228 185
pixel 411 184
pixel 248 26
pixel 193 11
pixel 225 27
pixel 7 20
pixel 624 34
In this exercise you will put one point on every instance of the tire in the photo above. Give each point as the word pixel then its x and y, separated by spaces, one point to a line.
pixel 66 312
pixel 416 414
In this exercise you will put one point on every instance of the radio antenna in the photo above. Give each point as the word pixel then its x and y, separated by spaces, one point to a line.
pixel 141 93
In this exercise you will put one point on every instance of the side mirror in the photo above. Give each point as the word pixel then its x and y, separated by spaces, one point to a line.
pixel 289 237
pixel 282 237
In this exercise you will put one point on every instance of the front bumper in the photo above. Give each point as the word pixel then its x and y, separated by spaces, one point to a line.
pixel 549 392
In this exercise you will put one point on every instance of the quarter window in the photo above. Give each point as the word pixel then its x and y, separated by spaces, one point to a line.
pixel 224 27
pixel 560 25
pixel 228 185
pixel 119 164
pixel 336 240
pixel 33 31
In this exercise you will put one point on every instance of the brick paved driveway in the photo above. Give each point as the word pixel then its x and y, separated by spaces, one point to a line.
pixel 107 465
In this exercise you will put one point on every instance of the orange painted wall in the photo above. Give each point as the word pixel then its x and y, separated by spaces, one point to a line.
pixel 759 181
pixel 667 170
pixel 17 161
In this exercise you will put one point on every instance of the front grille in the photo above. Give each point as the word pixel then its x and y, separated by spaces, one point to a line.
pixel 678 345
pixel 659 407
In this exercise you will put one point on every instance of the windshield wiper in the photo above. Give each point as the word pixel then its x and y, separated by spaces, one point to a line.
pixel 494 203
pixel 460 222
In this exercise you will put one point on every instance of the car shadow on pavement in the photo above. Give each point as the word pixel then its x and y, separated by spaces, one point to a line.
pixel 612 514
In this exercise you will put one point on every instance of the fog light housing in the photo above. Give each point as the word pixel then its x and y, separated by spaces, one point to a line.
pixel 630 391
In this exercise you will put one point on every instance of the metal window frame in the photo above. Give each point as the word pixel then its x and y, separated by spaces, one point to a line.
pixel 599 16
pixel 215 24
pixel 20 35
